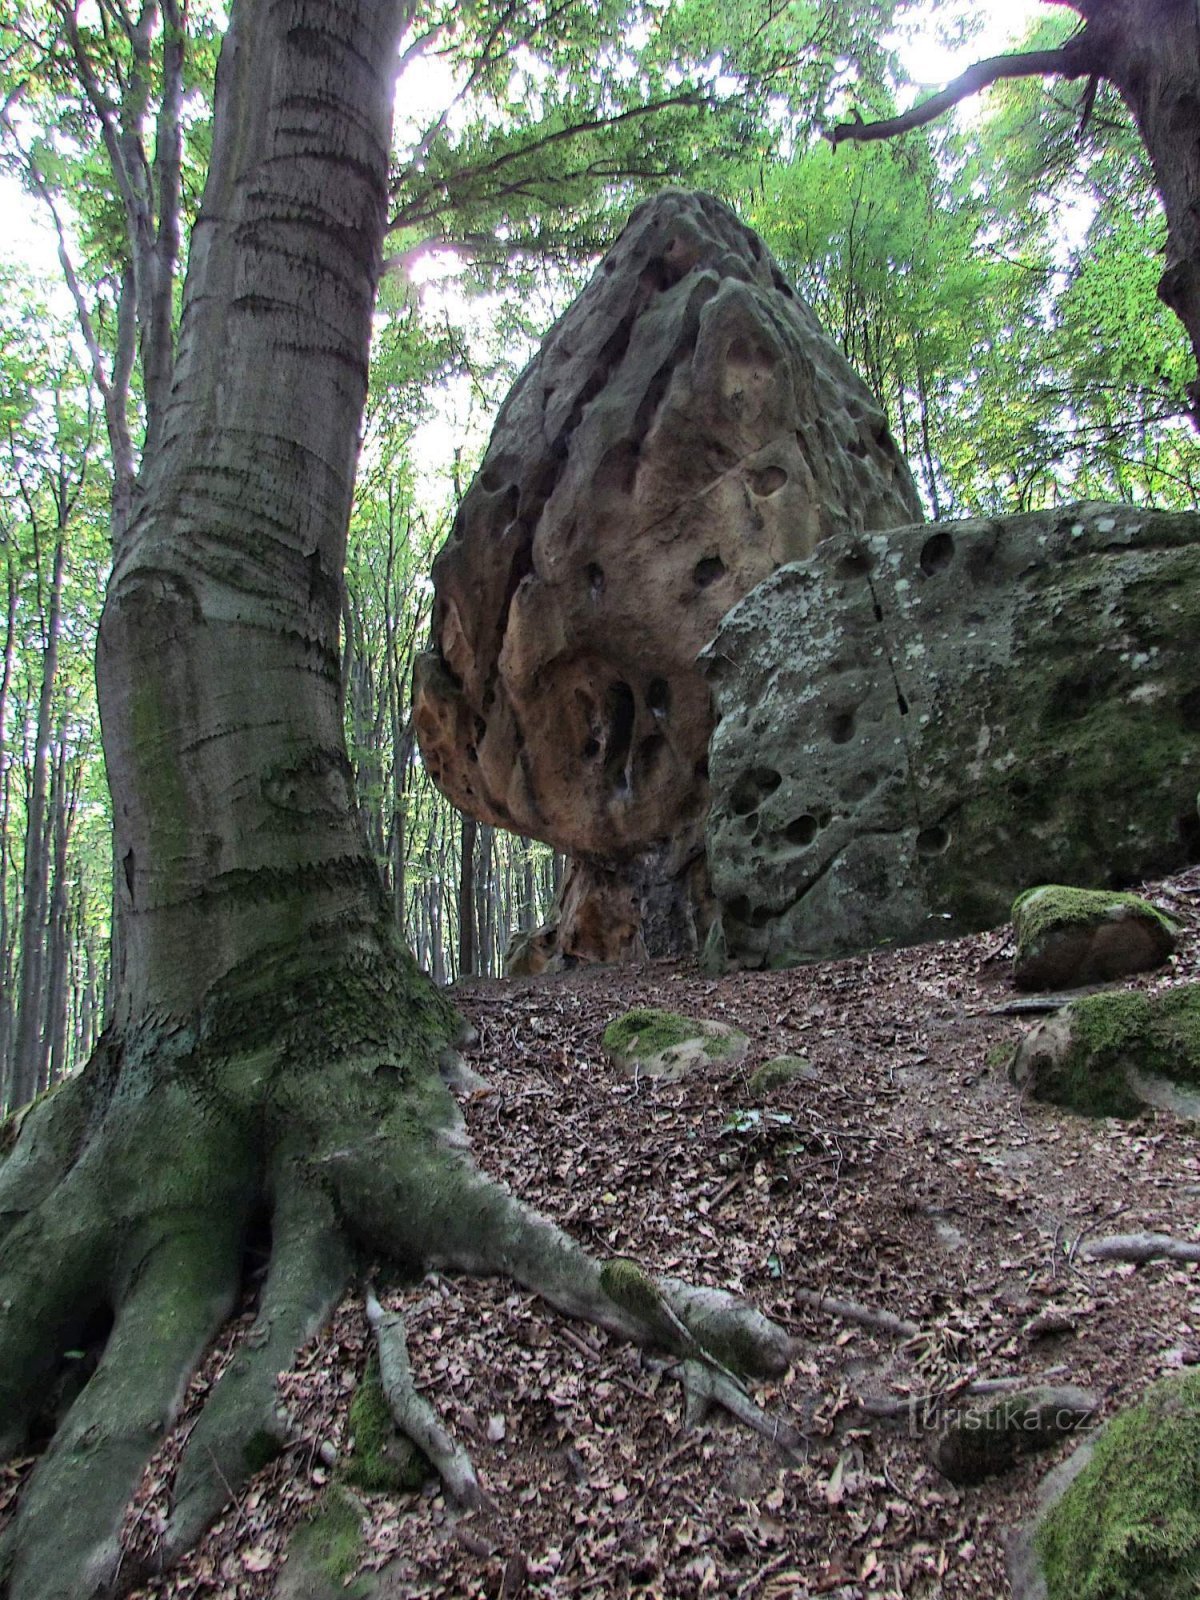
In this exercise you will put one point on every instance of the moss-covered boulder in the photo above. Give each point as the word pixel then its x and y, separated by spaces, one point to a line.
pixel 649 1043
pixel 915 725
pixel 1111 1055
pixel 779 1072
pixel 1067 936
pixel 1128 1526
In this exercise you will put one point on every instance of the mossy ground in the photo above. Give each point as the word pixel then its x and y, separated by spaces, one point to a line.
pixel 1128 1528
pixel 1112 1033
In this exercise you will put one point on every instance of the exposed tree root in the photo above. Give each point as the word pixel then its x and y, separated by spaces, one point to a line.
pixel 413 1414
pixel 865 1316
pixel 1140 1248
pixel 126 1203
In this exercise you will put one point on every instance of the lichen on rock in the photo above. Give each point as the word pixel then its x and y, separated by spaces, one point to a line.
pixel 684 429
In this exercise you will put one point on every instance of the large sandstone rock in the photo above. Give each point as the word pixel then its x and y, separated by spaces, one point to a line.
pixel 685 428
pixel 916 725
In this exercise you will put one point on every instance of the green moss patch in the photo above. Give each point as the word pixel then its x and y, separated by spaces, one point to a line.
pixel 384 1461
pixel 1094 1044
pixel 330 1542
pixel 1054 905
pixel 780 1071
pixel 1128 1528
pixel 664 1045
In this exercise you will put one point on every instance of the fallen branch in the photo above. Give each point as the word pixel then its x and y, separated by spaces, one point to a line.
pixel 413 1414
pixel 1140 1248
pixel 851 1311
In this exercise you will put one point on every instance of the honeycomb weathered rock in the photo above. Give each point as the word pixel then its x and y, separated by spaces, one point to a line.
pixel 685 428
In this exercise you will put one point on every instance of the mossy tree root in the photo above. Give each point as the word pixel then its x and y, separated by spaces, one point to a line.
pixel 448 1215
pixel 243 1425
pixel 128 1202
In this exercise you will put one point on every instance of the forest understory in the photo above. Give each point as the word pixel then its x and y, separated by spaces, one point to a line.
pixel 908 1176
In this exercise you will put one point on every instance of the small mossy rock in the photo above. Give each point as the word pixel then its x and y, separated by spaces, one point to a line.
pixel 661 1044
pixel 1128 1526
pixel 1067 937
pixel 1111 1055
pixel 780 1071
pixel 324 1551
pixel 383 1461
pixel 987 1439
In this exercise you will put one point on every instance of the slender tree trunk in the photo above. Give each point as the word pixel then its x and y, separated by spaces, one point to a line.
pixel 29 1041
pixel 467 919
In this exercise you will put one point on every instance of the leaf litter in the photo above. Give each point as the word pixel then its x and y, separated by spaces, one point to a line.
pixel 910 1178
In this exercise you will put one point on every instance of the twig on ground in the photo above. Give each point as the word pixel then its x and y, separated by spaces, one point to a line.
pixel 851 1311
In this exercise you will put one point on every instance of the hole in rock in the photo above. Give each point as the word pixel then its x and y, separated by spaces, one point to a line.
pixel 617 471
pixel 649 751
pixel 1020 788
pixel 701 770
pixel 854 564
pixel 766 481
pixel 658 696
pixel 621 713
pixel 707 570
pixel 824 818
pixel 902 703
pixel 594 573
pixel 1189 711
pixel 936 554
pixel 760 916
pixel 841 727
pixel 739 909
pixel 750 823
pixel 750 788
pixel 802 830
pixel 1072 696
pixel 933 841
pixel 878 609
pixel 590 750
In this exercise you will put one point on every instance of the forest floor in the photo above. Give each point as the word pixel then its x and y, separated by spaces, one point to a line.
pixel 910 1176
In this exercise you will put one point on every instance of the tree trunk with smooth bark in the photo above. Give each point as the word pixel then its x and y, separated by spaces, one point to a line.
pixel 272 1052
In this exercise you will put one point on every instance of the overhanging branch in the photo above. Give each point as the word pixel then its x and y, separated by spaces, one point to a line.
pixel 1075 59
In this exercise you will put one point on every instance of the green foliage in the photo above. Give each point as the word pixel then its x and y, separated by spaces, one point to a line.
pixel 1128 1528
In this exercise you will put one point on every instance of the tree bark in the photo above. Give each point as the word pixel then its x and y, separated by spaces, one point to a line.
pixel 1150 51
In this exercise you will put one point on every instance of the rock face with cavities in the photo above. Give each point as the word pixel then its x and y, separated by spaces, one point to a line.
pixel 916 725
pixel 685 428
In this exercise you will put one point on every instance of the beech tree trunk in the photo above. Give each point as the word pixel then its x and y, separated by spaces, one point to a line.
pixel 1150 50
pixel 273 1054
